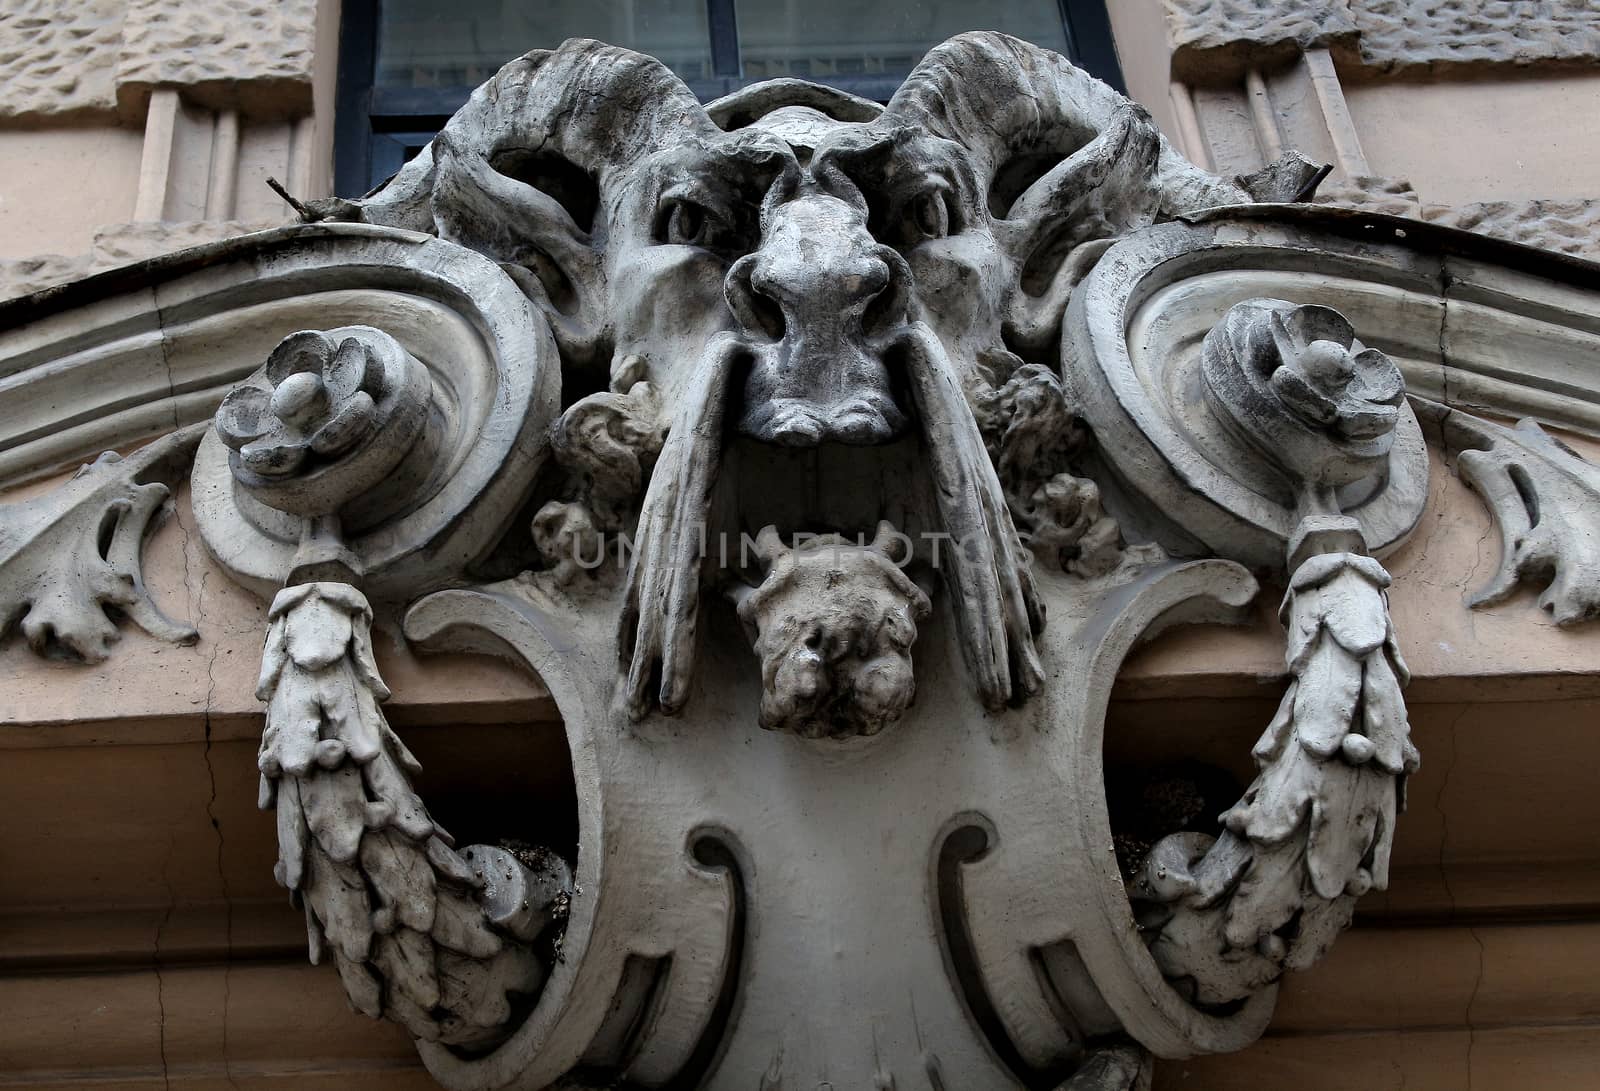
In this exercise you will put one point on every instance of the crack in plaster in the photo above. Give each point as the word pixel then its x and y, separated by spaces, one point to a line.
pixel 161 983
pixel 1444 879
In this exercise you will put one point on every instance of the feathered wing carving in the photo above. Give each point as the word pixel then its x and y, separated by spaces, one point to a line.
pixel 403 915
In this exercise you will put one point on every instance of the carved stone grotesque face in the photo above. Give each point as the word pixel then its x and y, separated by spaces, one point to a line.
pixel 802 268
pixel 833 664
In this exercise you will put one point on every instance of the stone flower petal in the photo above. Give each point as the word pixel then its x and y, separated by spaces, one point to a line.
pixel 354 367
pixel 307 350
pixel 276 455
pixel 1365 420
pixel 244 416
pixel 350 421
pixel 1303 398
pixel 1377 379
pixel 1313 323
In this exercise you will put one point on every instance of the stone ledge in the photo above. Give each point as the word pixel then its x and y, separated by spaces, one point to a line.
pixel 255 56
pixel 1216 40
pixel 119 244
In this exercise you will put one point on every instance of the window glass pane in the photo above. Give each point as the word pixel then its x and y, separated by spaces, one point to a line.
pixel 425 43
pixel 830 39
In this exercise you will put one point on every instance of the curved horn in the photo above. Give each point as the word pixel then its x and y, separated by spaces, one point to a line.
pixel 594 105
pixel 1000 97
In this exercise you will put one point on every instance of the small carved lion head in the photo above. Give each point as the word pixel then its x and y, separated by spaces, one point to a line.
pixel 833 624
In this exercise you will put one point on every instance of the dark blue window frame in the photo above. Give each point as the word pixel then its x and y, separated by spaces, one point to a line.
pixel 376 129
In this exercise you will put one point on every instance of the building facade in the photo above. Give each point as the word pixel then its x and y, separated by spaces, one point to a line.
pixel 374 450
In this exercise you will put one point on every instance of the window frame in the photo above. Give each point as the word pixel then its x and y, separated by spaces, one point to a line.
pixel 374 127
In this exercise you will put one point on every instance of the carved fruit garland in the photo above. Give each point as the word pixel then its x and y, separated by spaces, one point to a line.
pixel 1313 832
pixel 440 942
pixel 1229 915
pixel 383 890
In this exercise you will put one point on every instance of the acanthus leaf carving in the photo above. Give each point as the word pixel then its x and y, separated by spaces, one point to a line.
pixel 403 915
pixel 71 556
pixel 1545 500
pixel 1313 832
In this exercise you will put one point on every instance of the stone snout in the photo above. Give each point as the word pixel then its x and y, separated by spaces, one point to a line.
pixel 814 298
pixel 833 623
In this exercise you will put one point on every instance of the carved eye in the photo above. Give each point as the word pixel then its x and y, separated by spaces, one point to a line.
pixel 685 223
pixel 682 222
pixel 928 216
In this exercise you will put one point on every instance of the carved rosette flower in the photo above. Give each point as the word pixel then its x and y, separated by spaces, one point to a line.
pixel 330 417
pixel 321 400
pixel 439 941
pixel 1300 387
pixel 1327 379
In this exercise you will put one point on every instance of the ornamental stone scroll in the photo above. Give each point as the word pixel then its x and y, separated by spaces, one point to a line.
pixel 824 460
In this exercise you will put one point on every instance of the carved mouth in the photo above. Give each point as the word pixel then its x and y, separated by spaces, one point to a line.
pixel 801 396
pixel 862 419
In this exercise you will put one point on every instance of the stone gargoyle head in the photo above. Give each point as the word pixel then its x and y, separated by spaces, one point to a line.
pixel 794 266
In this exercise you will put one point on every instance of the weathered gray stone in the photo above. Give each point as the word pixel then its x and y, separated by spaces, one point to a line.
pixel 1000 315
pixel 1313 832
pixel 833 622
pixel 384 893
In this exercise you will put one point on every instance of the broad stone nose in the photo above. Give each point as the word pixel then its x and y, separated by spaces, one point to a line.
pixel 817 264
pixel 810 289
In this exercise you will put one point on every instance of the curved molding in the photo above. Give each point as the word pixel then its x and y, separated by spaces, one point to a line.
pixel 640 892
pixel 1471 323
pixel 156 345
pixel 142 349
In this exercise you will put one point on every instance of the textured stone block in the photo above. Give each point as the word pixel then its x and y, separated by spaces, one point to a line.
pixel 254 55
pixel 1371 193
pixel 1398 34
pixel 120 244
pixel 1218 39
pixel 22 276
pixel 57 57
pixel 1567 227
